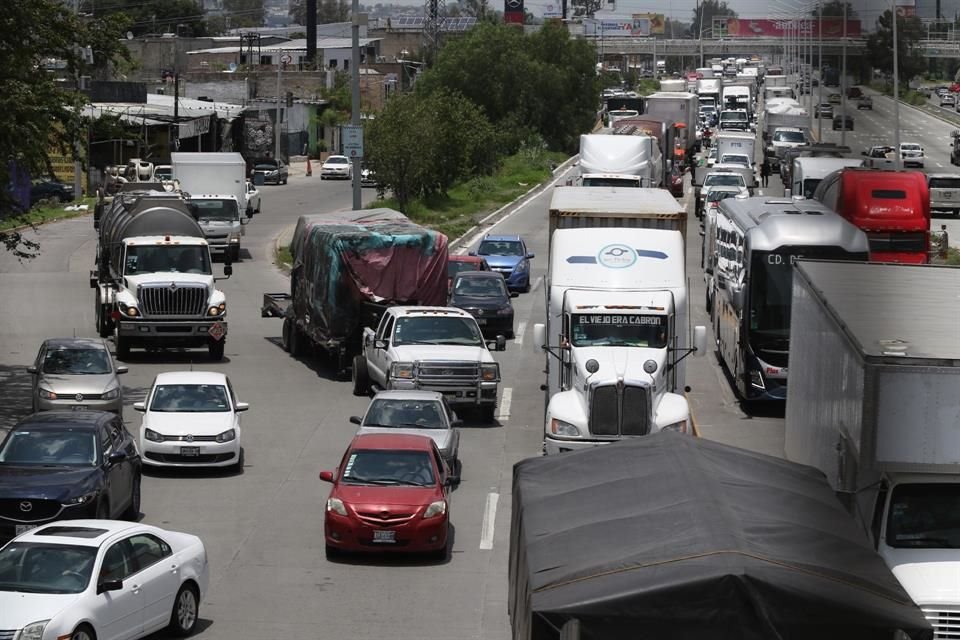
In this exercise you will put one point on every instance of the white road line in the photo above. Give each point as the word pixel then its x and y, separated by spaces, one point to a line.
pixel 939 165
pixel 537 283
pixel 505 399
pixel 518 334
pixel 489 519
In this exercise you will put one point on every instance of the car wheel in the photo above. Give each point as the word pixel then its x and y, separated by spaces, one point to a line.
pixel 215 349
pixel 285 334
pixel 360 376
pixel 186 609
pixel 133 511
pixel 285 180
pixel 237 466
pixel 83 632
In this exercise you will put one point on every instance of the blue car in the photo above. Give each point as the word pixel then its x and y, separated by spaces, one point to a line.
pixel 508 256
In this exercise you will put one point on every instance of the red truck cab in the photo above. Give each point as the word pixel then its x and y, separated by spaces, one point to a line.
pixel 891 207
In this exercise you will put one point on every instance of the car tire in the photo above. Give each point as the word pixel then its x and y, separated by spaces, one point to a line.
pixel 285 181
pixel 488 413
pixel 360 376
pixel 215 349
pixel 123 347
pixel 285 334
pixel 132 514
pixel 83 632
pixel 237 467
pixel 186 611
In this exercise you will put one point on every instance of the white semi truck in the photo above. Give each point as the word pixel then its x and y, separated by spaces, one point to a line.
pixel 616 329
pixel 620 160
pixel 873 404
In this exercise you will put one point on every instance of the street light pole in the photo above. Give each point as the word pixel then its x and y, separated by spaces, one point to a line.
pixel 276 126
pixel 820 65
pixel 843 77
pixel 355 94
pixel 896 92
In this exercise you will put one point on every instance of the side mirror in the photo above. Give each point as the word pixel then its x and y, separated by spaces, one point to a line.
pixel 33 369
pixel 244 219
pixel 109 585
pixel 700 341
pixel 122 369
pixel 116 457
pixel 242 406
pixel 140 406
pixel 355 420
pixel 326 476
pixel 514 294
pixel 379 344
pixel 451 480
pixel 539 336
pixel 530 256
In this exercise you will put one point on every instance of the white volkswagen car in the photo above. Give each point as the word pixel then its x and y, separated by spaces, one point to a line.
pixel 191 419
pixel 100 580
pixel 336 167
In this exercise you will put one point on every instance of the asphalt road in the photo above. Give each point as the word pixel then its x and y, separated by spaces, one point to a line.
pixel 263 527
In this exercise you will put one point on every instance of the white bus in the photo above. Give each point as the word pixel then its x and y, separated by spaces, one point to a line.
pixel 756 241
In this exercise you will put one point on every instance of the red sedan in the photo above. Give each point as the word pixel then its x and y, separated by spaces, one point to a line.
pixel 390 493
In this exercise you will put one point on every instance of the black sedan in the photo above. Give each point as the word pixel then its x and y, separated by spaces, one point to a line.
pixel 843 121
pixel 484 295
pixel 269 170
pixel 50 190
pixel 62 465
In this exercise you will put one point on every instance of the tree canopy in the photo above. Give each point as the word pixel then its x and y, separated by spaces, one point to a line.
pixel 834 9
pixel 910 59
pixel 707 10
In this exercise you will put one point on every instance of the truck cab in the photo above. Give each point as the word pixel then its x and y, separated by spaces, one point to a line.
pixel 222 219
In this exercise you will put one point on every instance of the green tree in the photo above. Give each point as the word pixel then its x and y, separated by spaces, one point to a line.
pixel 390 140
pixel 910 31
pixel 834 9
pixel 707 10
pixel 42 115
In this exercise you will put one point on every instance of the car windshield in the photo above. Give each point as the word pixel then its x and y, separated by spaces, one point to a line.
pixel 735 158
pixel 924 516
pixel 480 287
pixel 619 330
pixel 167 257
pixel 30 567
pixel 717 195
pixel 437 330
pixel 789 136
pixel 337 160
pixel 190 398
pixel 724 180
pixel 500 248
pixel 217 209
pixel 422 414
pixel 733 115
pixel 77 362
pixel 265 166
pixel 49 448
pixel 910 147
pixel 385 467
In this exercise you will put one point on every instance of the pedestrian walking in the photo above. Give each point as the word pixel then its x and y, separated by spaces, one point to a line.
pixel 765 171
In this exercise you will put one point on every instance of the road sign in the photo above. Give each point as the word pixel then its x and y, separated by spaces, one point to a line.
pixel 216 331
pixel 286 58
pixel 353 140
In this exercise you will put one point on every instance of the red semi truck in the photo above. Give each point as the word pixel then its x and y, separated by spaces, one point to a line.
pixel 891 207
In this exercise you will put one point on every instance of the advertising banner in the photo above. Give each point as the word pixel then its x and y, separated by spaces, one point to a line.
pixel 771 28
pixel 906 8
pixel 636 25
pixel 553 10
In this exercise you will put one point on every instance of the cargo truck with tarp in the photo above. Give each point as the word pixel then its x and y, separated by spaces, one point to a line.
pixel 347 269
pixel 669 536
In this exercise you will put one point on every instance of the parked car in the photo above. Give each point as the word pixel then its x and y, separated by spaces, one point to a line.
pixel 336 167
pixel 865 102
pixel 76 374
pixel 65 465
pixel 424 413
pixel 484 295
pixel 191 419
pixel 271 169
pixel 101 579
pixel 507 255
pixel 46 189
pixel 459 263
pixel 253 199
pixel 390 493
pixel 823 110
pixel 912 154
pixel 843 121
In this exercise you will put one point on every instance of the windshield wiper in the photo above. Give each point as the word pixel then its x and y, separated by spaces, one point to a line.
pixel 416 342
pixel 386 481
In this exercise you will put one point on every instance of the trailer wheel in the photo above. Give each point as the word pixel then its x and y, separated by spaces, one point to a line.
pixel 215 349
pixel 360 376
pixel 296 341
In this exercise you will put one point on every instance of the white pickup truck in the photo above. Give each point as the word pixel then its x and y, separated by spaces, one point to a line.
pixel 432 348
pixel 880 157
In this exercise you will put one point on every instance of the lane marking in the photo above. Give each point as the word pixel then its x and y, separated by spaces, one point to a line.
pixel 505 399
pixel 489 519
pixel 537 283
pixel 521 328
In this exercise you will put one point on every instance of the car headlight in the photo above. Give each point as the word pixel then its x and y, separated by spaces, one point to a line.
pixel 336 505
pixel 437 508
pixel 152 435
pixel 128 310
pixel 217 310
pixel 84 499
pixel 46 394
pixel 403 370
pixel 561 428
pixel 490 372
pixel 227 436
pixel 112 394
pixel 33 631
pixel 679 427
pixel 505 311
pixel 522 266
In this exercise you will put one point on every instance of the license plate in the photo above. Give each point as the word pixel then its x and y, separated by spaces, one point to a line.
pixel 78 407
pixel 947 195
pixel 385 536
pixel 189 451
pixel 23 528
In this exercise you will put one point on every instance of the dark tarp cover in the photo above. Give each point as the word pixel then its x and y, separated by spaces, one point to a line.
pixel 669 537
pixel 342 260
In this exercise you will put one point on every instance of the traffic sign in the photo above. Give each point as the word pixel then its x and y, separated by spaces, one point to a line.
pixel 286 58
pixel 353 140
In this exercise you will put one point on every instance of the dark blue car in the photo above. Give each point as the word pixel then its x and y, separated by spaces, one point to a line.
pixel 61 465
pixel 507 255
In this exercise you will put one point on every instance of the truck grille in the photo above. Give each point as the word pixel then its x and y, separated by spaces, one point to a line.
pixel 620 410
pixel 8 634
pixel 448 374
pixel 187 300
pixel 946 624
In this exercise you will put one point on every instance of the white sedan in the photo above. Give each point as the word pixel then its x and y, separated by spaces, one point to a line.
pixel 191 419
pixel 336 167
pixel 253 199
pixel 100 580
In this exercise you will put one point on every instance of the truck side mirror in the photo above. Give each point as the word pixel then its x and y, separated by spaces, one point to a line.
pixel 539 336
pixel 379 344
pixel 700 341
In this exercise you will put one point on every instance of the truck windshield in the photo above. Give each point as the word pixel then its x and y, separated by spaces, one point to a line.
pixel 924 516
pixel 611 182
pixel 618 330
pixel 219 209
pixel 167 257
pixel 437 330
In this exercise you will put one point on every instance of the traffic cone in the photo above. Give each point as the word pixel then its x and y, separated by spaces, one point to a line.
pixel 309 169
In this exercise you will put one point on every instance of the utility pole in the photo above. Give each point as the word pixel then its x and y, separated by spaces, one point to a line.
pixel 843 77
pixel 276 125
pixel 843 113
pixel 896 91
pixel 355 94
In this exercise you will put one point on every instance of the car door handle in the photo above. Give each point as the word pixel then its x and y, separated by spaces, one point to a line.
pixel 174 568
pixel 135 588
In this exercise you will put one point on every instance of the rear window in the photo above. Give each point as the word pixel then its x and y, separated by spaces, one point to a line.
pixel 945 183
pixel 889 194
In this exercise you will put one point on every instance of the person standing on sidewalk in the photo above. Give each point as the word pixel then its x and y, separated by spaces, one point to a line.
pixel 765 171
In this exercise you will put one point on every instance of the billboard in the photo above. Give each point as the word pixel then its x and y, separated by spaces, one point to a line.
pixel 771 28
pixel 906 8
pixel 636 25
pixel 513 11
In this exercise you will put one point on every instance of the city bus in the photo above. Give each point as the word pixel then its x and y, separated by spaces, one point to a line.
pixel 756 242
